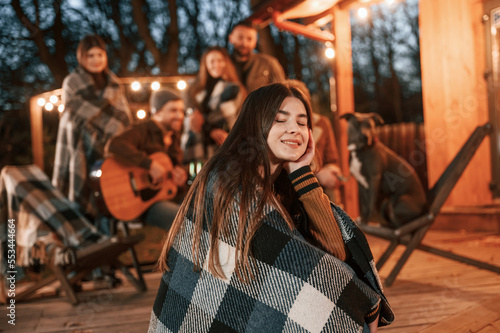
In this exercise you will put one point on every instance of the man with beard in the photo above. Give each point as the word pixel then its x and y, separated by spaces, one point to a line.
pixel 254 69
pixel 161 133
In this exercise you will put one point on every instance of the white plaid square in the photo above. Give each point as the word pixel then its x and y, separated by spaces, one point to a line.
pixel 311 309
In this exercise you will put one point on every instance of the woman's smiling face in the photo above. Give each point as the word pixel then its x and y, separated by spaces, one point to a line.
pixel 95 60
pixel 289 134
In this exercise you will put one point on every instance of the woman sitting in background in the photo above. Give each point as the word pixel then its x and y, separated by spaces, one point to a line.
pixel 216 97
pixel 257 245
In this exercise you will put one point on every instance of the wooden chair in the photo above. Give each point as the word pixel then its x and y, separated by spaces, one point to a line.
pixel 411 234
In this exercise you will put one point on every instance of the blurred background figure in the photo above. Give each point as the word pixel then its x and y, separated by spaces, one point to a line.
pixel 95 110
pixel 215 99
pixel 254 69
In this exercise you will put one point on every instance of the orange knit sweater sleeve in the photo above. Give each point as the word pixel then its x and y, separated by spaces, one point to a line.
pixel 322 224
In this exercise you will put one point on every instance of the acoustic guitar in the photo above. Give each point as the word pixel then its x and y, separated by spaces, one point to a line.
pixel 127 191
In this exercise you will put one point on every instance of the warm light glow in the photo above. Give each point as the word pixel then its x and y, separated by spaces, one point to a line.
pixel 60 108
pixel 141 114
pixel 389 2
pixel 155 85
pixel 362 12
pixel 53 99
pixel 41 101
pixel 135 86
pixel 49 106
pixel 493 31
pixel 330 53
pixel 181 85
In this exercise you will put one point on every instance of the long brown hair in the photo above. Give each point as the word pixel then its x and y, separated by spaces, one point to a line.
pixel 241 169
pixel 229 74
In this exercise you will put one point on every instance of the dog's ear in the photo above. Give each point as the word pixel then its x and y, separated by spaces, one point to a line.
pixel 348 116
pixel 378 119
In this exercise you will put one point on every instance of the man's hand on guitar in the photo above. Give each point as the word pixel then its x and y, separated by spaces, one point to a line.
pixel 157 172
pixel 179 176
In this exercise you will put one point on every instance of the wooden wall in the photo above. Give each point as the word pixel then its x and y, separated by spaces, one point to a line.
pixel 455 92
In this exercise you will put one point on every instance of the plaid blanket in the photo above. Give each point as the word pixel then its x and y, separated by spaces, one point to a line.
pixel 91 117
pixel 222 111
pixel 41 215
pixel 298 288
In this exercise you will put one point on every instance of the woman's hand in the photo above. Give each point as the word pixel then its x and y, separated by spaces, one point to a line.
pixel 218 135
pixel 373 326
pixel 305 159
pixel 196 121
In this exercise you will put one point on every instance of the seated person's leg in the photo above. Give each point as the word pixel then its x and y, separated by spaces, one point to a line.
pixel 161 214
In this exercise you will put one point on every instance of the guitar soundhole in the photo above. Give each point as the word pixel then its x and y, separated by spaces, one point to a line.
pixel 148 194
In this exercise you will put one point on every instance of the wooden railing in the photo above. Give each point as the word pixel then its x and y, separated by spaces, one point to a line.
pixel 408 141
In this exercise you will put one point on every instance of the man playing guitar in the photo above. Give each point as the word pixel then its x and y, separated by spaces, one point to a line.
pixel 138 142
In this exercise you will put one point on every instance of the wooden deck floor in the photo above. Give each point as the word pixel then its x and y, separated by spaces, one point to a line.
pixel 431 294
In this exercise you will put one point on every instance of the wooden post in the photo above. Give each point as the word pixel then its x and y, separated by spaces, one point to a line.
pixel 36 118
pixel 454 90
pixel 345 98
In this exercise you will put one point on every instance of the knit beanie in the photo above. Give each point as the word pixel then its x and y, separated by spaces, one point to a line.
pixel 161 97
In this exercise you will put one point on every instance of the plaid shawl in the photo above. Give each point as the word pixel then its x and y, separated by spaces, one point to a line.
pixel 90 118
pixel 41 214
pixel 298 288
pixel 220 114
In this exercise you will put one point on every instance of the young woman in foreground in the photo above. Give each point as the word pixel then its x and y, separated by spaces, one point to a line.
pixel 257 246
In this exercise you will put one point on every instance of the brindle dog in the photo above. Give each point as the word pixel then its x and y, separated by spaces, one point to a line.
pixel 385 180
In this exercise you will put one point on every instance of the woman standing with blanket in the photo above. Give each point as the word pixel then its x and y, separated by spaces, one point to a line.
pixel 95 110
pixel 270 252
pixel 216 96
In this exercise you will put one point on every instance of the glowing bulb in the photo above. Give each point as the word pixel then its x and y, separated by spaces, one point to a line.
pixel 330 53
pixel 362 12
pixel 181 85
pixel 41 101
pixel 389 2
pixel 155 85
pixel 135 86
pixel 49 106
pixel 141 114
pixel 60 108
pixel 53 99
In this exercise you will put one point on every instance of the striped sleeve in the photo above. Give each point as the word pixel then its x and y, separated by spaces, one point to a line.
pixel 322 224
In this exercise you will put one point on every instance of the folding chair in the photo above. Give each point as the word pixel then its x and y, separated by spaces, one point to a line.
pixel 38 210
pixel 412 233
pixel 86 259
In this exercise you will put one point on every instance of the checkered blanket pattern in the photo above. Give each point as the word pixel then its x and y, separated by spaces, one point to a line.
pixel 90 119
pixel 298 288
pixel 41 213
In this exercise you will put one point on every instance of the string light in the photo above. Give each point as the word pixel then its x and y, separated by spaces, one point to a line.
pixel 135 86
pixel 181 85
pixel 141 114
pixel 41 101
pixel 155 85
pixel 53 99
pixel 362 12
pixel 60 108
pixel 330 53
pixel 389 2
pixel 49 106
